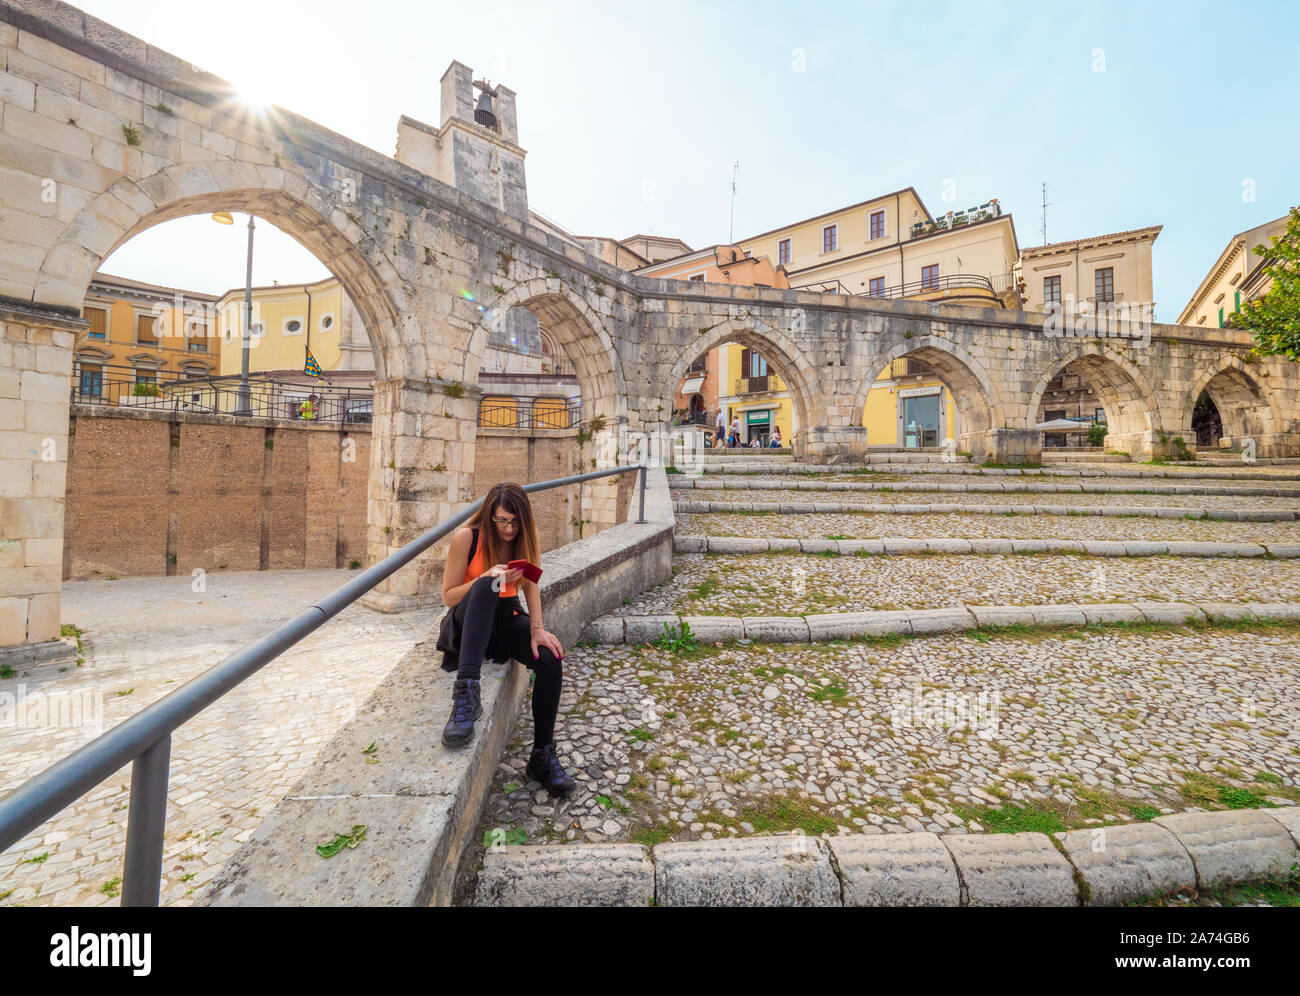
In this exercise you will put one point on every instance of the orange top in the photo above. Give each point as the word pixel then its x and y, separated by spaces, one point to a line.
pixel 477 567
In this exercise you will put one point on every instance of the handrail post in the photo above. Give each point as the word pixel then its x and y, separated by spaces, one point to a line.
pixel 146 821
pixel 641 514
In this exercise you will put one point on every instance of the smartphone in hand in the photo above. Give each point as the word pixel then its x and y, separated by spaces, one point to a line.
pixel 531 571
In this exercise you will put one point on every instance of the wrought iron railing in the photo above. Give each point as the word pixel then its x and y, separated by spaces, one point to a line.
pixel 499 412
pixel 222 396
pixel 146 737
pixel 954 282
pixel 824 287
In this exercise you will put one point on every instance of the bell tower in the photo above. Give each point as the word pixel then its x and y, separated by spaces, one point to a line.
pixel 475 148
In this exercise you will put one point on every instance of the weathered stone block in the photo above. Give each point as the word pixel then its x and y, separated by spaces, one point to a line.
pixel 580 875
pixel 913 869
pixel 1235 845
pixel 1003 869
pixel 1124 863
pixel 754 871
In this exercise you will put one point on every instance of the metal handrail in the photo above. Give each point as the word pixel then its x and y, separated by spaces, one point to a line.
pixel 145 738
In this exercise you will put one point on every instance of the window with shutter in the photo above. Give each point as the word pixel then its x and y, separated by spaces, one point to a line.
pixel 144 330
pixel 98 319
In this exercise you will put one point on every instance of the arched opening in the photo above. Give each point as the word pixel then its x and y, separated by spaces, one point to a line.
pixel 559 383
pixel 247 494
pixel 920 396
pixel 742 387
pixel 1207 423
pixel 1229 403
pixel 1091 391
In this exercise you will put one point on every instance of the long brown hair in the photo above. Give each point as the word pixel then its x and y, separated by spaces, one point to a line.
pixel 514 500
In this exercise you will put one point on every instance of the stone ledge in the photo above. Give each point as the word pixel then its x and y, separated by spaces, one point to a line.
pixel 958 546
pixel 953 619
pixel 1233 845
pixel 1098 866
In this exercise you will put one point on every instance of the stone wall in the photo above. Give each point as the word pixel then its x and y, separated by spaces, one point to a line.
pixel 155 493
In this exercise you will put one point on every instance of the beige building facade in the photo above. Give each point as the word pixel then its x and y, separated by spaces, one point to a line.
pixel 1236 277
pixel 1101 269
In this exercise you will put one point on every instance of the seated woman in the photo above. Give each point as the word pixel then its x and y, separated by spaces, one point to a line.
pixel 776 438
pixel 488 622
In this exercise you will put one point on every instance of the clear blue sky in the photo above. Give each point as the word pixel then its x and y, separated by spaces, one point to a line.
pixel 633 114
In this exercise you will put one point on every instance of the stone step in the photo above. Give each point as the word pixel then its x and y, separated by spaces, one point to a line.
pixel 1237 514
pixel 1201 850
pixel 685 543
pixel 1230 461
pixel 684 482
pixel 814 628
pixel 1134 471
pixel 1096 456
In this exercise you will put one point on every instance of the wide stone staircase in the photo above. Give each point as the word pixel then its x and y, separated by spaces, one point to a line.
pixel 982 662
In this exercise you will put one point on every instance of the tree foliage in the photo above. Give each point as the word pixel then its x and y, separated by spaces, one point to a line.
pixel 1274 317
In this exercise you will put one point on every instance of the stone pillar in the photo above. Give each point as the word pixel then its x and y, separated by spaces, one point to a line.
pixel 1011 446
pixel 35 384
pixel 613 446
pixel 830 444
pixel 421 472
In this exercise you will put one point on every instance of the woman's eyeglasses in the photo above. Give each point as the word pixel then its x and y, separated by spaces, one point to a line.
pixel 503 523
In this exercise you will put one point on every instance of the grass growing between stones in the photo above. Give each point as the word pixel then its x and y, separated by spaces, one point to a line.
pixel 1280 891
pixel 783 813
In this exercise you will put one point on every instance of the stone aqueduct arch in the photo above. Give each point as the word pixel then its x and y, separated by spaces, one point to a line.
pixel 429 263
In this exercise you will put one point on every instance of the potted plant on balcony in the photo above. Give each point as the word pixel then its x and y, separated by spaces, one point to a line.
pixel 140 394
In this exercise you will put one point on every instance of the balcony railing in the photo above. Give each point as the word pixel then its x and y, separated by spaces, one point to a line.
pixel 824 287
pixel 222 396
pixel 918 288
pixel 907 366
pixel 529 413
pixel 754 385
pixel 957 219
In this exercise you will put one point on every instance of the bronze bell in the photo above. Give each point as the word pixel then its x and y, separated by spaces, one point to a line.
pixel 483 111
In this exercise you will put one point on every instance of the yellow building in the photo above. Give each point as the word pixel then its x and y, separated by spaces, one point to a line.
pixel 754 394
pixel 142 334
pixel 289 320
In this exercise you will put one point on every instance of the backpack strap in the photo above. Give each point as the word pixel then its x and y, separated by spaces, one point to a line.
pixel 473 546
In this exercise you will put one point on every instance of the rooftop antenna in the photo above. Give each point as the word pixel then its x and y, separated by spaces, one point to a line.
pixel 1045 203
pixel 735 172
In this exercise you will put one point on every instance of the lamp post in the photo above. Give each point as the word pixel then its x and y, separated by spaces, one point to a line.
pixel 244 405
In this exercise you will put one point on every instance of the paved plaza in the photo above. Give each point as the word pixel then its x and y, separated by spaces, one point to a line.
pixel 145 637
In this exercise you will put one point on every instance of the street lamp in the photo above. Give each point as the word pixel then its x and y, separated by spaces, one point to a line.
pixel 243 406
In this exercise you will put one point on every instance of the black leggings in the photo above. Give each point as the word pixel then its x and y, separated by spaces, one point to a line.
pixel 490 629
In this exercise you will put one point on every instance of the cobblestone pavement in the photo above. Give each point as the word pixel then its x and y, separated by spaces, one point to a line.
pixel 145 637
pixel 949 734
pixel 799 584
pixel 1068 498
pixel 873 525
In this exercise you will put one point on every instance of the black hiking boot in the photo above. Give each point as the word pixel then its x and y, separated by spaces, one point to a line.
pixel 465 708
pixel 545 767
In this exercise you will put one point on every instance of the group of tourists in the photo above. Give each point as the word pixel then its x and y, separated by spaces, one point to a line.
pixel 732 439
